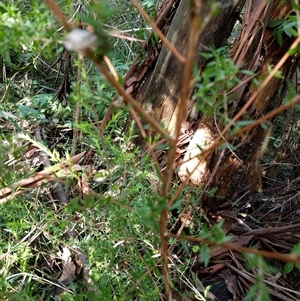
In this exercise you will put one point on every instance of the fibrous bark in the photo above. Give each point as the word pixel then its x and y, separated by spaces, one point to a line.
pixel 255 50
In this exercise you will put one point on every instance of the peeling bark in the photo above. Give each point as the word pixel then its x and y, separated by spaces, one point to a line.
pixel 255 49
pixel 203 139
pixel 267 53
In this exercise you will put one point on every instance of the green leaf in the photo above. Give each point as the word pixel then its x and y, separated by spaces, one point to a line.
pixel 206 55
pixel 162 146
pixel 248 72
pixel 205 255
pixel 288 267
pixel 195 249
pixel 290 32
pixel 279 37
pixel 276 23
pixel 176 205
pixel 293 50
pixel 295 5
pixel 290 24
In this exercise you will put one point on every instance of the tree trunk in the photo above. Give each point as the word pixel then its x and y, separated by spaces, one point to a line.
pixel 163 89
pixel 255 49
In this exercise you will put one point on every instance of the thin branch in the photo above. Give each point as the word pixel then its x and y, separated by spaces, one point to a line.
pixel 262 86
pixel 58 14
pixel 127 97
pixel 181 114
pixel 220 141
pixel 163 38
pixel 282 257
pixel 181 109
pixel 44 176
pixel 110 78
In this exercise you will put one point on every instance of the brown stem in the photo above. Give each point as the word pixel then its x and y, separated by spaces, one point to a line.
pixel 282 257
pixel 163 38
pixel 220 140
pixel 262 86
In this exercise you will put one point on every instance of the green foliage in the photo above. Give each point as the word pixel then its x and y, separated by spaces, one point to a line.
pixel 284 26
pixel 120 243
pixel 289 266
pixel 116 224
pixel 220 74
pixel 22 28
pixel 205 255
pixel 259 291
pixel 127 21
pixel 215 234
pixel 149 6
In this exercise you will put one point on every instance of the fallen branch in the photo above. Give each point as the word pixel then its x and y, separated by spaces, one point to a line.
pixel 44 176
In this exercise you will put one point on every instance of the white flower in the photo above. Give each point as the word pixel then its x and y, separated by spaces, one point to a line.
pixel 79 40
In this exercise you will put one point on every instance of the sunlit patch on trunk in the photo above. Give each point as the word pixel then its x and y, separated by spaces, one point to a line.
pixel 193 164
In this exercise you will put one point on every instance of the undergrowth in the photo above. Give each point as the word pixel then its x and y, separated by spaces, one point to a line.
pixel 104 241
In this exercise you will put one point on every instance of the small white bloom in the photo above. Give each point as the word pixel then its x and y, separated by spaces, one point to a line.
pixel 79 40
